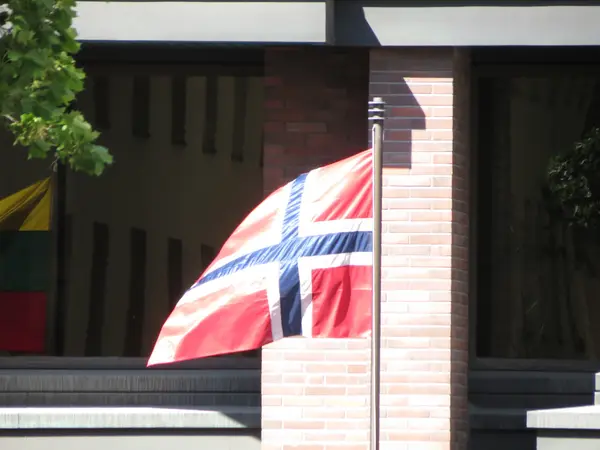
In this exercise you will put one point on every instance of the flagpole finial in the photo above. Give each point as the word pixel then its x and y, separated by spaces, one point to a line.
pixel 376 110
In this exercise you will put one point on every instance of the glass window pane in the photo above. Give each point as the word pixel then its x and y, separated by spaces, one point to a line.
pixel 137 236
pixel 537 278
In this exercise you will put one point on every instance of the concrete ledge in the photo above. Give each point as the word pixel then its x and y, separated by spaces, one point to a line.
pixel 202 21
pixel 579 418
pixel 128 418
pixel 411 23
pixel 124 440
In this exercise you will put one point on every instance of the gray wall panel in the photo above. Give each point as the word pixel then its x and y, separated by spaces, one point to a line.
pixel 130 381
pixel 466 23
pixel 197 399
pixel 357 22
pixel 174 21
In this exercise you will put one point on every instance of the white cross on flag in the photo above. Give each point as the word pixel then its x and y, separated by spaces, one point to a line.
pixel 299 265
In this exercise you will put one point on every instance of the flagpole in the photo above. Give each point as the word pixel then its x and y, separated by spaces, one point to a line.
pixel 376 115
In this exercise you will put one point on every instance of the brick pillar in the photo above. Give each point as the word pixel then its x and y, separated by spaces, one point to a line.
pixel 315 392
pixel 315 109
pixel 425 248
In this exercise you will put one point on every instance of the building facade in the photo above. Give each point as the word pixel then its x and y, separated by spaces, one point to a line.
pixel 207 111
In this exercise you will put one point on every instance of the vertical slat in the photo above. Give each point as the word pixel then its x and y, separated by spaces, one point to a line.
pixel 117 289
pixel 178 110
pixel 209 146
pixel 175 270
pixel 60 313
pixel 140 110
pixel 156 300
pixel 261 161
pixel 207 254
pixel 239 118
pixel 80 267
pixel 68 224
pixel 196 110
pixel 254 120
pixel 161 116
pixel 120 109
pixel 101 103
pixel 137 293
pixel 97 295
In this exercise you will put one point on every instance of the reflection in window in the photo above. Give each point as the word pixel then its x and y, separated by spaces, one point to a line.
pixel 25 266
pixel 135 237
pixel 538 281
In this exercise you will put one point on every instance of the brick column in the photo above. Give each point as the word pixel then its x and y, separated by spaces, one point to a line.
pixel 315 392
pixel 315 111
pixel 425 231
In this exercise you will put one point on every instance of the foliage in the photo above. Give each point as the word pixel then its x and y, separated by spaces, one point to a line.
pixel 39 82
pixel 574 182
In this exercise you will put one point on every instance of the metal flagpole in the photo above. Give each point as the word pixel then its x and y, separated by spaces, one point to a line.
pixel 376 115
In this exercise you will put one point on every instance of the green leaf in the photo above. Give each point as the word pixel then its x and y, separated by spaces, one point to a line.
pixel 24 36
pixel 39 149
pixel 13 55
pixel 41 80
pixel 103 155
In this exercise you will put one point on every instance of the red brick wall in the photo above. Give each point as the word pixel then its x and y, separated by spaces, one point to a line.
pixel 315 392
pixel 315 109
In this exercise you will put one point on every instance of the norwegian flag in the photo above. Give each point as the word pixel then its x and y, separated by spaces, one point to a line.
pixel 299 264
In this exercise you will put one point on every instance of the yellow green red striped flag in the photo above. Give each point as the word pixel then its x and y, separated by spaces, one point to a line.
pixel 25 267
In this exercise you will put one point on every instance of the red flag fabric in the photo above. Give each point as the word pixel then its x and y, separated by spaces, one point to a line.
pixel 299 264
pixel 23 321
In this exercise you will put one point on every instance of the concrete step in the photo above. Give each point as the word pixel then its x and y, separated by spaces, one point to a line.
pixel 577 418
pixel 566 428
pixel 129 418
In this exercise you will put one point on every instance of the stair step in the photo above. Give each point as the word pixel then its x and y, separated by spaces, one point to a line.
pixel 130 418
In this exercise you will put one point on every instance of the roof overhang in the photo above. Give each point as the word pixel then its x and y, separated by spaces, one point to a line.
pixel 344 22
pixel 202 21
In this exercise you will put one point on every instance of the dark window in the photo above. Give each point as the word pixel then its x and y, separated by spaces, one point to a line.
pixel 125 245
pixel 538 280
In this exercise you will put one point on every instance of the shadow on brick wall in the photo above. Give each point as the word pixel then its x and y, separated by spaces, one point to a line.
pixel 459 339
pixel 315 109
pixel 405 122
pixel 403 117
